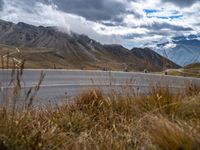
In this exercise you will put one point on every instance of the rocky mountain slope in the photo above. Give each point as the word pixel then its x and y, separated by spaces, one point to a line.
pixel 152 58
pixel 44 47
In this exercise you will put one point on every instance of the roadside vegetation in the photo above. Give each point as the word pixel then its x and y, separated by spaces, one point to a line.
pixel 161 120
pixel 93 121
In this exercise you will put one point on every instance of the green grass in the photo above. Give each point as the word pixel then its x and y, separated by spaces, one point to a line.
pixel 94 121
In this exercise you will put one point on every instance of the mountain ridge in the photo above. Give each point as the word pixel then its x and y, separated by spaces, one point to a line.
pixel 75 50
pixel 183 50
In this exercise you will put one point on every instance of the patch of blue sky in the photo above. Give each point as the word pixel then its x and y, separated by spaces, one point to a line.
pixel 176 17
pixel 161 14
pixel 153 13
pixel 167 17
pixel 149 11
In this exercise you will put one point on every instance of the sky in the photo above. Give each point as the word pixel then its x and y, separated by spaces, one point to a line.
pixel 132 23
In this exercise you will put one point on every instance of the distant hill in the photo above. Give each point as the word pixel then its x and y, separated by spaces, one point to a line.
pixel 44 47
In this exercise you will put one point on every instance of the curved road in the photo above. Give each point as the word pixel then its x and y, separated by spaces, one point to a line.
pixel 61 85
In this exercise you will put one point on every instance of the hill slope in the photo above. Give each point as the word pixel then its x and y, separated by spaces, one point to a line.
pixel 152 58
pixel 195 66
pixel 44 47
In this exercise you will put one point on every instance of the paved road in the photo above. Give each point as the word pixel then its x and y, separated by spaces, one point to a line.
pixel 59 85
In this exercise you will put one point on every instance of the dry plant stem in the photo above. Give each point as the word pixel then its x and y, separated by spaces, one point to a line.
pixel 36 89
pixel 160 120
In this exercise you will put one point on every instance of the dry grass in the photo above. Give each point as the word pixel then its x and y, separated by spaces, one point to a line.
pixel 158 121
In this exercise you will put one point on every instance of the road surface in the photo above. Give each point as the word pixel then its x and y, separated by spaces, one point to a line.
pixel 61 85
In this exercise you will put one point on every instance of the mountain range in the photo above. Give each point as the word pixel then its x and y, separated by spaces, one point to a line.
pixel 45 47
pixel 185 50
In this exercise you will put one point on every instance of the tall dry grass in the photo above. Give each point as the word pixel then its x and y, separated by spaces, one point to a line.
pixel 160 120
pixel 93 121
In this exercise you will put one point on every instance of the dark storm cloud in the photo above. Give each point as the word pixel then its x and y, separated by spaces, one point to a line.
pixel 94 10
pixel 1 4
pixel 160 26
pixel 182 3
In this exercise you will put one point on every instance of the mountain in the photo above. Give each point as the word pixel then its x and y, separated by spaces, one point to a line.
pixel 185 50
pixel 148 55
pixel 184 54
pixel 44 47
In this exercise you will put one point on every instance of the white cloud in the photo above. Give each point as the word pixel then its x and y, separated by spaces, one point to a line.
pixel 169 46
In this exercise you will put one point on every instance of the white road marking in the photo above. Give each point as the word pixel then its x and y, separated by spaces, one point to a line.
pixel 87 85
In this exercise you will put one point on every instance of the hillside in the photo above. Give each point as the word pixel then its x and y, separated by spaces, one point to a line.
pixel 47 47
pixel 148 55
pixel 195 66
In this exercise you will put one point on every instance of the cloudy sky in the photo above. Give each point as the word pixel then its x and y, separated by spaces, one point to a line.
pixel 127 22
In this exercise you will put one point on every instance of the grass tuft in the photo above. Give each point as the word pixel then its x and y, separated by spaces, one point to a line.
pixel 160 120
